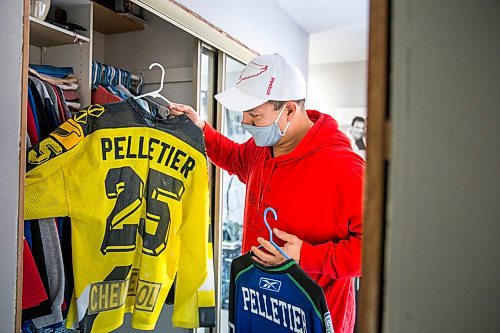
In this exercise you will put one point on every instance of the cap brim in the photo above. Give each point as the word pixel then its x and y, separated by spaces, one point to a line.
pixel 236 100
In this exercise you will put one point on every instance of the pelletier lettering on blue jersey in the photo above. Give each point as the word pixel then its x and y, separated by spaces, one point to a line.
pixel 129 147
pixel 111 295
pixel 274 309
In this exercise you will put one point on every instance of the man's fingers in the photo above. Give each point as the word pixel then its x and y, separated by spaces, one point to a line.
pixel 179 108
pixel 289 238
pixel 263 255
pixel 172 106
pixel 175 112
pixel 263 263
pixel 268 246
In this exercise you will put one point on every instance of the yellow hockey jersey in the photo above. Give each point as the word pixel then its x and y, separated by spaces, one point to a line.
pixel 136 189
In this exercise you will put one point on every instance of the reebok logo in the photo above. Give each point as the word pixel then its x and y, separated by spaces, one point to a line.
pixel 270 86
pixel 269 284
pixel 252 70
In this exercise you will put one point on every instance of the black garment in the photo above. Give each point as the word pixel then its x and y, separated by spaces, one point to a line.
pixel 46 112
pixel 44 308
pixel 360 144
pixel 68 261
pixel 43 117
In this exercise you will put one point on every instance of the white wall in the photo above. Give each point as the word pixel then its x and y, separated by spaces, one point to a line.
pixel 159 42
pixel 443 234
pixel 11 39
pixel 261 25
pixel 337 85
pixel 99 47
pixel 341 44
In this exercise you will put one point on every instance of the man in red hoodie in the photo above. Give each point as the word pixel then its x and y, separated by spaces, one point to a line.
pixel 302 165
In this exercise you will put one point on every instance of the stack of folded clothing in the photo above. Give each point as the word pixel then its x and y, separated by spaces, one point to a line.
pixel 64 79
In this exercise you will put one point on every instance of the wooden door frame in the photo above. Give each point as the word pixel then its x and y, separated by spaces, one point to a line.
pixel 22 165
pixel 378 157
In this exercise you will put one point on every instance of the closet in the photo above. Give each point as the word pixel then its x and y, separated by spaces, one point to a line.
pixel 114 39
pixel 133 44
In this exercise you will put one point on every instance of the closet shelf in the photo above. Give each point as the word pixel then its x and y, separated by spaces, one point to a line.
pixel 107 21
pixel 44 34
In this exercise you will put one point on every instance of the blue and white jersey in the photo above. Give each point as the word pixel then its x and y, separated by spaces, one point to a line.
pixel 275 299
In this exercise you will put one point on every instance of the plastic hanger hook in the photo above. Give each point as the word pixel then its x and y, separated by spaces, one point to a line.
pixel 270 209
pixel 155 93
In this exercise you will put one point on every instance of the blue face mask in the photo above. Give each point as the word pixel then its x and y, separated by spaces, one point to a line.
pixel 266 136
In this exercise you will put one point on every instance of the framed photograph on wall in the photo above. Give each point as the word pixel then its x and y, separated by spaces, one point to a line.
pixel 352 121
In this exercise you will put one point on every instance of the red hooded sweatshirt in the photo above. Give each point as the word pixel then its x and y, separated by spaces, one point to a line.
pixel 316 191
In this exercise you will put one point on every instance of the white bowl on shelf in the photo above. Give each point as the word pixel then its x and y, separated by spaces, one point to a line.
pixel 40 8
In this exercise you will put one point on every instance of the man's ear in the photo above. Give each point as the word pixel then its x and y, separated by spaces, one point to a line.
pixel 291 109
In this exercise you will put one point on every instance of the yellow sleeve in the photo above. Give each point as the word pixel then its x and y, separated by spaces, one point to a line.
pixel 194 293
pixel 45 194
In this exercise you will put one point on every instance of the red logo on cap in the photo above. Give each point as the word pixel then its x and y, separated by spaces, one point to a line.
pixel 252 70
pixel 270 86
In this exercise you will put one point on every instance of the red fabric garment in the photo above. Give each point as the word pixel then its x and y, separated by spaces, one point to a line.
pixel 31 127
pixel 102 96
pixel 71 95
pixel 316 191
pixel 62 115
pixel 33 290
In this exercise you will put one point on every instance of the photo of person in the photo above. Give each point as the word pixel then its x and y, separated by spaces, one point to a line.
pixel 352 121
pixel 356 134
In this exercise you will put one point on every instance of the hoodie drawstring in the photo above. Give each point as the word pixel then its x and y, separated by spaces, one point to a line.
pixel 264 181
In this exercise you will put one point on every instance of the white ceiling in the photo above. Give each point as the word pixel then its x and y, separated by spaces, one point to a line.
pixel 338 29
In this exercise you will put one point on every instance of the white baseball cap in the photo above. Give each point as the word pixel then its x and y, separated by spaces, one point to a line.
pixel 268 77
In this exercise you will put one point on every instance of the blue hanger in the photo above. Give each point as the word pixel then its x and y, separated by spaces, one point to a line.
pixel 95 74
pixel 127 80
pixel 108 75
pixel 113 76
pixel 271 232
pixel 112 73
pixel 98 76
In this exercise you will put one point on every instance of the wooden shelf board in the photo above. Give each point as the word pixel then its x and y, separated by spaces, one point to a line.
pixel 107 21
pixel 44 34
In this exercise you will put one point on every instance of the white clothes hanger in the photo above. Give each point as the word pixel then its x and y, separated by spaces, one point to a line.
pixel 155 94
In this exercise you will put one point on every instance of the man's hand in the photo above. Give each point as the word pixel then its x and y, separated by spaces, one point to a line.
pixel 292 246
pixel 178 109
pixel 274 257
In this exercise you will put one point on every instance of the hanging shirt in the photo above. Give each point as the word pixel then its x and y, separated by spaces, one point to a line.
pixel 33 290
pixel 136 189
pixel 280 298
pixel 53 262
pixel 38 232
pixel 46 247
pixel 102 96
pixel 31 126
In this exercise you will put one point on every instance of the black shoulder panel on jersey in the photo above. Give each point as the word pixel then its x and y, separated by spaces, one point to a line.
pixel 240 263
pixel 311 287
pixel 129 113
pixel 124 114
